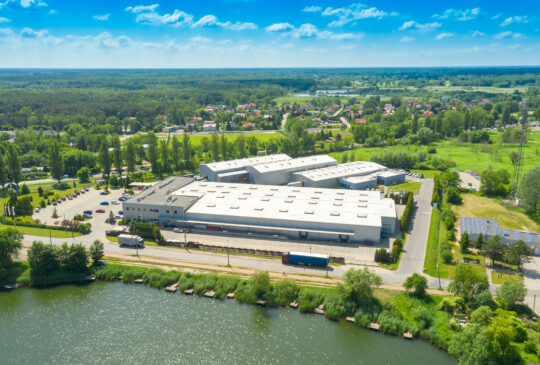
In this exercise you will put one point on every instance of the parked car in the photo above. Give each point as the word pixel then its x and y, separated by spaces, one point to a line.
pixel 100 210
pixel 115 202
pixel 104 203
pixel 122 199
pixel 120 212
pixel 64 198
pixel 86 189
pixel 87 212
pixel 89 216
pixel 36 210
pixel 118 216
pixel 59 201
pixel 103 193
pixel 78 192
pixel 54 203
pixel 74 195
pixel 70 197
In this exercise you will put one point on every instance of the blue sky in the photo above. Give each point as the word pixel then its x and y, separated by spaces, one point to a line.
pixel 262 33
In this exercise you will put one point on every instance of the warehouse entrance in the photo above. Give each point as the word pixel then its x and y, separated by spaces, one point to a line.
pixel 303 235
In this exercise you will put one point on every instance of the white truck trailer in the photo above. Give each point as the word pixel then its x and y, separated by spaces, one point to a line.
pixel 130 240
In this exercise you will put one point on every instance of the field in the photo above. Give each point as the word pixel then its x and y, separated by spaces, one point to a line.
pixel 467 156
pixel 262 136
pixel 484 89
pixel 477 206
pixel 412 186
pixel 42 232
pixel 500 277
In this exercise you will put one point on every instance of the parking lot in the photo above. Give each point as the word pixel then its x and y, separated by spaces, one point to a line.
pixel 468 181
pixel 89 201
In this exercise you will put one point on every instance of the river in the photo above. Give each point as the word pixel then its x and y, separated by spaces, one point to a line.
pixel 115 323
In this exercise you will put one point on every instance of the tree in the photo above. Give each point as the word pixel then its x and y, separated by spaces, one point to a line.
pixel 55 213
pixel 467 284
pixel 25 189
pixel 186 152
pixel 214 146
pixel 3 175
pixel 453 196
pixel 519 253
pixel 471 346
pixel 83 174
pixel 97 251
pixel 529 190
pixel 418 282
pixel 464 242
pixel 13 162
pixel 494 249
pixel 56 163
pixel 105 158
pixel 512 291
pixel 479 242
pixel 175 152
pixel 77 260
pixel 493 182
pixel 165 165
pixel 153 152
pixel 10 245
pixel 241 145
pixel 130 155
pixel 117 154
pixel 260 283
pixel 482 315
pixel 42 259
pixel 358 285
pixel 223 147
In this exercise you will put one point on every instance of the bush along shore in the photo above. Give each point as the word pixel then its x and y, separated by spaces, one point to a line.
pixel 479 329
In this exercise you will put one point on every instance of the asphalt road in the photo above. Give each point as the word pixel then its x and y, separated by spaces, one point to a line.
pixel 412 258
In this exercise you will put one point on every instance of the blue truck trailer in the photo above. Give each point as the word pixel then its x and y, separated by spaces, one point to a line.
pixel 303 258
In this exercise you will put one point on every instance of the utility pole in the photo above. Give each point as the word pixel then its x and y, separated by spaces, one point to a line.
pixel 518 167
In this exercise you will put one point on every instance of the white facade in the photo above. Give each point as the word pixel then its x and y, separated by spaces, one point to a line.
pixel 213 171
pixel 296 212
pixel 279 173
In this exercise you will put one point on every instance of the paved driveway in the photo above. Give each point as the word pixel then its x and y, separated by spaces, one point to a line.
pixel 531 279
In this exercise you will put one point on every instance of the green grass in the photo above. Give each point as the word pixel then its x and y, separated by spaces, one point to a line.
pixel 412 186
pixel 477 206
pixel 146 242
pixel 428 174
pixel 307 99
pixel 261 136
pixel 43 232
pixel 499 277
pixel 485 89
pixel 467 156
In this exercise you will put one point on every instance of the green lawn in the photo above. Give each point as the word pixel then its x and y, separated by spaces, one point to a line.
pixel 261 136
pixel 499 277
pixel 467 156
pixel 484 89
pixel 43 232
pixel 428 174
pixel 412 186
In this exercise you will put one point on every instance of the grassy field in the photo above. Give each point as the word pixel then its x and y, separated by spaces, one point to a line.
pixel 477 206
pixel 43 232
pixel 467 156
pixel 485 89
pixel 306 99
pixel 499 277
pixel 262 136
pixel 412 186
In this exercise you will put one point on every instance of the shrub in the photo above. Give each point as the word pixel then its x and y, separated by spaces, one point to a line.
pixel 285 292
pixel 244 293
pixel 158 278
pixel 260 284
pixel 382 255
pixel 225 285
pixel 186 281
pixel 530 347
pixel 108 273
pixel 446 255
pixel 309 299
pixel 129 274
pixel 204 283
pixel 452 305
pixel 334 306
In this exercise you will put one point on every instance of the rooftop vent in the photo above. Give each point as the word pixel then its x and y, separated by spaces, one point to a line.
pixel 283 210
pixel 309 211
pixel 334 213
pixel 258 208
pixel 234 207
pixel 220 196
pixel 242 198
pixel 211 205
pixel 337 204
pixel 313 202
pixel 289 201
pixel 265 199
pixel 361 215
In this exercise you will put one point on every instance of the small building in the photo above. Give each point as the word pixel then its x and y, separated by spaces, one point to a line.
pixel 235 170
pixel 328 177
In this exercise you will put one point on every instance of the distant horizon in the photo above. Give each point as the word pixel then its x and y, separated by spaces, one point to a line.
pixel 225 34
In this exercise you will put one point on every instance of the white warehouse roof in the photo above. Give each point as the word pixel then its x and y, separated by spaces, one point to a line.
pixel 343 170
pixel 341 207
pixel 294 164
pixel 243 162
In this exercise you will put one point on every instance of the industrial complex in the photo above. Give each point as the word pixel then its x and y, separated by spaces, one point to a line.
pixel 488 228
pixel 267 210
pixel 321 171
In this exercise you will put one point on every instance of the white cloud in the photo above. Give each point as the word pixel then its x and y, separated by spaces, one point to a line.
pixel 177 18
pixel 305 31
pixel 444 36
pixel 103 17
pixel 407 39
pixel 106 40
pixel 53 12
pixel 508 34
pixel 478 33
pixel 24 4
pixel 279 27
pixel 212 20
pixel 352 13
pixel 466 14
pixel 515 20
pixel 496 16
pixel 30 33
pixel 412 25
pixel 141 8
pixel 4 20
pixel 4 32
pixel 312 9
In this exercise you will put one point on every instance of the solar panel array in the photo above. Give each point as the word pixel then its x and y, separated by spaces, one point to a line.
pixel 529 238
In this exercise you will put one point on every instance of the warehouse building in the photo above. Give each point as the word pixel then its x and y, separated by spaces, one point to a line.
pixel 273 211
pixel 235 170
pixel 280 173
pixel 353 175
pixel 488 228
